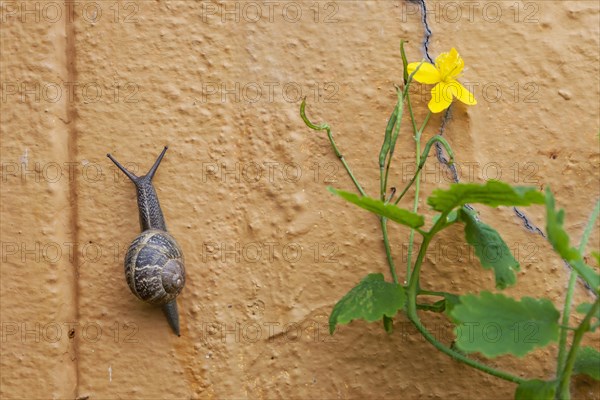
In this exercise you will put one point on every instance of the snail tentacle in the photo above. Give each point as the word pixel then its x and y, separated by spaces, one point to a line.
pixel 154 265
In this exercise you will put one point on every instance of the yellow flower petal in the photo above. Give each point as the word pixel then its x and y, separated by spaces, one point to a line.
pixel 427 73
pixel 450 64
pixel 441 97
pixel 462 93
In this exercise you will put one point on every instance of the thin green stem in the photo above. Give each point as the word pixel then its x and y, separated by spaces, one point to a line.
pixel 393 129
pixel 412 116
pixel 589 228
pixel 562 347
pixel 385 149
pixel 383 221
pixel 413 290
pixel 436 138
pixel 458 356
pixel 338 154
pixel 413 285
pixel 388 250
pixel 346 166
pixel 565 377
pixel 417 180
pixel 385 160
pixel 424 123
pixel 411 241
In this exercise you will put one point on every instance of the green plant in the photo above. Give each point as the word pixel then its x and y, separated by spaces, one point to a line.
pixel 531 322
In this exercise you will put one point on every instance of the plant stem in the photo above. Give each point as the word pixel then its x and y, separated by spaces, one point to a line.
pixel 417 181
pixel 395 122
pixel 388 250
pixel 344 163
pixel 393 137
pixel 562 348
pixel 383 221
pixel 413 285
pixel 385 149
pixel 459 357
pixel 339 155
pixel 563 386
pixel 410 111
pixel 413 290
pixel 436 138
pixel 588 229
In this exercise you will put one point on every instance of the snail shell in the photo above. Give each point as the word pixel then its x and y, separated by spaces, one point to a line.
pixel 154 262
pixel 154 267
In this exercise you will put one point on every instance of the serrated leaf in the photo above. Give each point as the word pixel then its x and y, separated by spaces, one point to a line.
pixel 493 193
pixel 390 211
pixel 559 239
pixel 494 324
pixel 371 300
pixel 490 248
pixel 536 389
pixel 587 362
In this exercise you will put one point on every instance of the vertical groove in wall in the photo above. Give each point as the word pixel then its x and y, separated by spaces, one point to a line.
pixel 71 112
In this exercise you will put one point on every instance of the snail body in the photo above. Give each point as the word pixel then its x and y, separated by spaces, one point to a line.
pixel 154 264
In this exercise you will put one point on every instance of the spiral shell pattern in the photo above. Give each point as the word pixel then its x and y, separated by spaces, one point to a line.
pixel 154 267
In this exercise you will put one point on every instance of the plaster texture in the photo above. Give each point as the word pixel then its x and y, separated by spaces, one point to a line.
pixel 268 249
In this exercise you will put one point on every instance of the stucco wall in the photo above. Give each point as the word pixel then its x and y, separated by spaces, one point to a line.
pixel 268 250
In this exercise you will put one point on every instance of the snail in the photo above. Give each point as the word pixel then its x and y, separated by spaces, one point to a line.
pixel 154 267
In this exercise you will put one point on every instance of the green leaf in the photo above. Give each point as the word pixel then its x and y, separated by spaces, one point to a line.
pixel 587 362
pixel 536 389
pixel 371 300
pixel 493 193
pixel 556 234
pixel 559 239
pixel 389 211
pixel 491 250
pixel 494 324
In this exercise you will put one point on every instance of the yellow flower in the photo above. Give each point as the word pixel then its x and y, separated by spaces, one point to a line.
pixel 443 74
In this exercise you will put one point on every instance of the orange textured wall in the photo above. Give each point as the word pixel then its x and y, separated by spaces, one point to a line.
pixel 268 250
